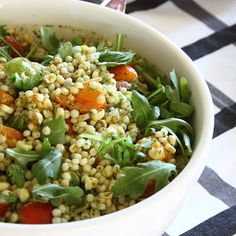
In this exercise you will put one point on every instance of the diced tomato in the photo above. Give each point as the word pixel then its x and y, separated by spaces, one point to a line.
pixel 36 213
pixel 4 206
pixel 15 44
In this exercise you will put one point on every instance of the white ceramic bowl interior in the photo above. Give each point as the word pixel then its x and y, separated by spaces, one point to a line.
pixel 153 215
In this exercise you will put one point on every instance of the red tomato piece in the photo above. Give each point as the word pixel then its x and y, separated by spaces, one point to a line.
pixel 15 44
pixel 4 206
pixel 36 213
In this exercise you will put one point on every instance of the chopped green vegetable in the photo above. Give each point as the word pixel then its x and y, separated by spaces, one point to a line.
pixel 135 179
pixel 58 129
pixel 70 195
pixel 24 84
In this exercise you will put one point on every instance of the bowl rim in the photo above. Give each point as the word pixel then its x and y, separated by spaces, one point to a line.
pixel 204 142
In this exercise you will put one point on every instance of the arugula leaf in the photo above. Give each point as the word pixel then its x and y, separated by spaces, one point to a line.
pixel 185 92
pixel 66 49
pixel 119 41
pixel 135 179
pixel 10 197
pixel 58 129
pixel 141 109
pixel 116 149
pixel 114 58
pixel 46 60
pixel 172 123
pixel 77 40
pixel 24 84
pixel 49 166
pixel 16 172
pixel 75 178
pixel 70 195
pixel 4 52
pixel 49 40
pixel 2 31
pixel 182 108
pixel 17 123
pixel 25 156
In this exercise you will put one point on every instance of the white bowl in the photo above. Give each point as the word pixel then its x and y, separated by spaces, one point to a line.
pixel 153 215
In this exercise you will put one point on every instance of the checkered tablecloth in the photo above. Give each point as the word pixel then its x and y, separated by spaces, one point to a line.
pixel 206 31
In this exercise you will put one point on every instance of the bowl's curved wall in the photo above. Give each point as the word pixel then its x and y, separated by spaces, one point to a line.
pixel 153 215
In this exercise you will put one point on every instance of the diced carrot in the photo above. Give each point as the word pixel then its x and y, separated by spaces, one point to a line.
pixel 70 130
pixel 124 72
pixel 85 100
pixel 6 98
pixel 36 213
pixel 4 206
pixel 65 102
pixel 12 135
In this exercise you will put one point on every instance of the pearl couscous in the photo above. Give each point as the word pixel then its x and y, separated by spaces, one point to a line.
pixel 86 127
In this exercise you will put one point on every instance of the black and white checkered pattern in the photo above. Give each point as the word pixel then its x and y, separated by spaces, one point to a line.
pixel 206 31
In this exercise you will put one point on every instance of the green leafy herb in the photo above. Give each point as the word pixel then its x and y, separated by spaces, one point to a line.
pixel 70 195
pixel 25 156
pixel 10 197
pixel 118 150
pixel 2 31
pixel 16 172
pixel 58 129
pixel 185 92
pixel 115 58
pixel 172 123
pixel 75 178
pixel 4 52
pixel 182 108
pixel 66 49
pixel 135 179
pixel 141 109
pixel 24 84
pixel 119 42
pixel 49 166
pixel 17 122
pixel 49 40
pixel 77 40
pixel 46 60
